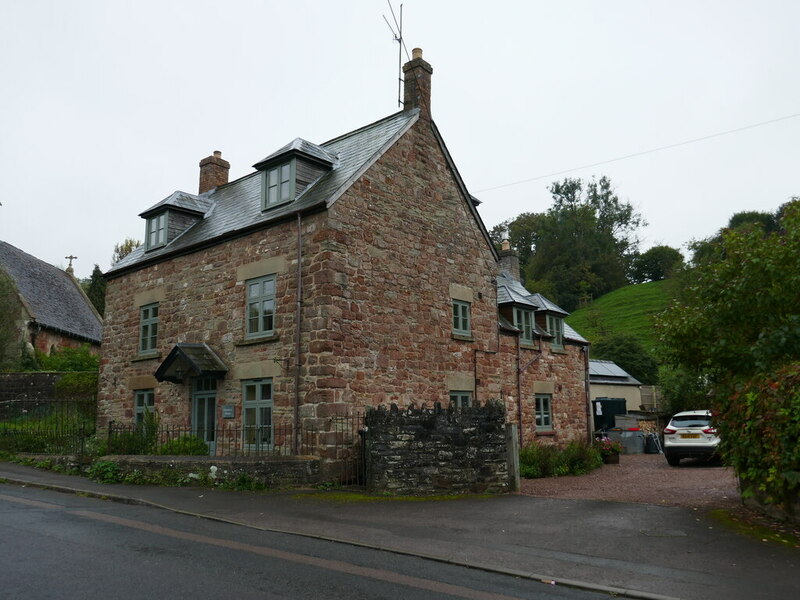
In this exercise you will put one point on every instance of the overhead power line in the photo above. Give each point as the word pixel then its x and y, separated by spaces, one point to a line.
pixel 642 153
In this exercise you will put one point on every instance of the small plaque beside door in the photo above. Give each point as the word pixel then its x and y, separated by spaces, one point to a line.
pixel 228 411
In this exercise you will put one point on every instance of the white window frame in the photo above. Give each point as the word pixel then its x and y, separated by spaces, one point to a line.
pixel 460 399
pixel 257 413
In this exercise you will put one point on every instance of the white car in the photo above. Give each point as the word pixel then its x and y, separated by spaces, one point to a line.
pixel 690 434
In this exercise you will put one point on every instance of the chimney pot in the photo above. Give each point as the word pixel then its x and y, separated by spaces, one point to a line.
pixel 416 53
pixel 213 172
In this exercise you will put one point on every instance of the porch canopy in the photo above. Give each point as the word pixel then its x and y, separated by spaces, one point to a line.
pixel 193 360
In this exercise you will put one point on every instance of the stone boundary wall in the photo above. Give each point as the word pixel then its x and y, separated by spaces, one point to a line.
pixel 38 385
pixel 272 472
pixel 424 451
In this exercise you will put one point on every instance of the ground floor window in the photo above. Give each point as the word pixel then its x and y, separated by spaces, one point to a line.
pixel 257 412
pixel 544 412
pixel 144 403
pixel 460 399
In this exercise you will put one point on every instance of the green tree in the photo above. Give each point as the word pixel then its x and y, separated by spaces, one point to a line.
pixel 584 242
pixel 96 290
pixel 627 352
pixel 658 263
pixel 736 326
pixel 122 250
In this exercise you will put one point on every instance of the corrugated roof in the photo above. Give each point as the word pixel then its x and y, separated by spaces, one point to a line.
pixel 236 206
pixel 606 371
pixel 52 294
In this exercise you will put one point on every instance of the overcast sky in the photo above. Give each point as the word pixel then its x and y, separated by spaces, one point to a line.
pixel 108 106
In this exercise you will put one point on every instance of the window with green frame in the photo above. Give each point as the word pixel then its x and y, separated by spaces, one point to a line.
pixel 555 327
pixel 257 413
pixel 461 317
pixel 148 328
pixel 261 306
pixel 156 231
pixel 144 402
pixel 460 399
pixel 523 320
pixel 278 185
pixel 544 412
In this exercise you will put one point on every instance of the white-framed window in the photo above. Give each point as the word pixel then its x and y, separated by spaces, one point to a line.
pixel 461 318
pixel 144 402
pixel 544 412
pixel 257 413
pixel 555 327
pixel 460 399
pixel 156 231
pixel 523 320
pixel 148 328
pixel 261 306
pixel 279 186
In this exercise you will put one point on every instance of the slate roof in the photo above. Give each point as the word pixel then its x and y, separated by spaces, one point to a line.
pixel 511 291
pixel 236 206
pixel 606 371
pixel 197 360
pixel 300 146
pixel 51 294
pixel 183 201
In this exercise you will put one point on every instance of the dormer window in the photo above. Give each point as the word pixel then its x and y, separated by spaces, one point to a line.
pixel 279 184
pixel 555 327
pixel 156 231
pixel 523 320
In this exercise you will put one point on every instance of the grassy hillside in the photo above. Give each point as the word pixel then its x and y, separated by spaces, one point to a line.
pixel 627 310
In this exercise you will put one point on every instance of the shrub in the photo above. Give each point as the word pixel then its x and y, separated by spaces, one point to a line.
pixel 186 445
pixel 577 458
pixel 104 471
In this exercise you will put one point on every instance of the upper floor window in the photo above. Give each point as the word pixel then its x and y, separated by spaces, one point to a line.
pixel 523 320
pixel 555 327
pixel 278 184
pixel 157 231
pixel 148 328
pixel 261 306
pixel 461 318
pixel 144 403
pixel 460 399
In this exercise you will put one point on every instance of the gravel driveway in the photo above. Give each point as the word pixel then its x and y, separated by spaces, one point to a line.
pixel 647 479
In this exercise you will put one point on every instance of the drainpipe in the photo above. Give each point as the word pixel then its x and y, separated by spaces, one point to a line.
pixel 298 317
pixel 588 389
pixel 519 393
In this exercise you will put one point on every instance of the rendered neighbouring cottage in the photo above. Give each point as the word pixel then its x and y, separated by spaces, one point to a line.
pixel 335 277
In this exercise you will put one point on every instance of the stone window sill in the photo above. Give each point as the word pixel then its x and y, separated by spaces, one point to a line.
pixel 142 357
pixel 548 432
pixel 528 346
pixel 258 340
pixel 557 350
pixel 463 338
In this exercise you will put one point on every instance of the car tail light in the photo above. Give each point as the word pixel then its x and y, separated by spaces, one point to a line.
pixel 669 430
pixel 710 430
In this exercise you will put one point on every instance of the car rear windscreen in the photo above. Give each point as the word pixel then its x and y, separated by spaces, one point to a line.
pixel 691 421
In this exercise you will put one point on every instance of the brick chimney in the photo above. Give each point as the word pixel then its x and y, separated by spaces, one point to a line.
pixel 213 172
pixel 509 259
pixel 417 84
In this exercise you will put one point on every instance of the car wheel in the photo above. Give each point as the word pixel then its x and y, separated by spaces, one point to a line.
pixel 673 460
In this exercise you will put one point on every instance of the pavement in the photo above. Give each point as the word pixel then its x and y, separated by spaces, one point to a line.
pixel 629 550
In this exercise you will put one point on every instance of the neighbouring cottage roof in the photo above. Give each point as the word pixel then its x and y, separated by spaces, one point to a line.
pixel 606 371
pixel 235 207
pixel 511 291
pixel 52 296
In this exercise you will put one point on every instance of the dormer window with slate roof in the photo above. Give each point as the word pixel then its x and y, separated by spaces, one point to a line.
pixel 287 172
pixel 171 217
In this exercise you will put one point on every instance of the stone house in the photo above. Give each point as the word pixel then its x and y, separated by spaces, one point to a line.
pixel 43 308
pixel 334 277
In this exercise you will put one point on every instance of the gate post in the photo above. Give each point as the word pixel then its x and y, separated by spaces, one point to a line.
pixel 512 456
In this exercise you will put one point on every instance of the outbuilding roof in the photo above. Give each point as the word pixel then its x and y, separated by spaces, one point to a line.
pixel 52 296
pixel 609 372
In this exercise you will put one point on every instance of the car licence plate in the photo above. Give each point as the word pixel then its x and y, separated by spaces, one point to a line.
pixel 690 436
